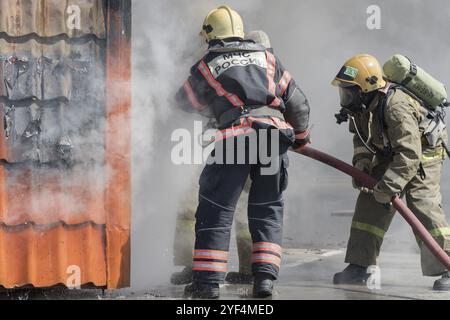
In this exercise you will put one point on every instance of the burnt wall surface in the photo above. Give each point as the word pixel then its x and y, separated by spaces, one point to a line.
pixel 53 216
pixel 52 57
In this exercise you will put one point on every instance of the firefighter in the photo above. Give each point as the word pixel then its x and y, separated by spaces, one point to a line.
pixel 251 95
pixel 184 233
pixel 389 144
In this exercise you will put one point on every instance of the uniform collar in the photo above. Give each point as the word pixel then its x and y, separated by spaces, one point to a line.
pixel 381 94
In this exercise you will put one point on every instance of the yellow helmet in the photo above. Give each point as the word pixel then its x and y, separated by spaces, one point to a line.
pixel 362 70
pixel 222 23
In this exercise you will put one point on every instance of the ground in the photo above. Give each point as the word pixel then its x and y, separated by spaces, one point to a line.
pixel 306 275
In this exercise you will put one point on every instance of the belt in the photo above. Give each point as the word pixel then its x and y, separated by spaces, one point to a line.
pixel 229 117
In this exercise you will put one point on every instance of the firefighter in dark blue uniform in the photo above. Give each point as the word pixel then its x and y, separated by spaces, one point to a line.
pixel 251 96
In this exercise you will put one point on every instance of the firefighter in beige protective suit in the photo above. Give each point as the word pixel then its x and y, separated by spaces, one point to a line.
pixel 389 144
pixel 184 233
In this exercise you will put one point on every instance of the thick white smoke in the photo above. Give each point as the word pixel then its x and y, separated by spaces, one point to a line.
pixel 313 39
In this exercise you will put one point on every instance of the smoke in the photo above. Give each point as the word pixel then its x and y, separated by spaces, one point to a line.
pixel 45 87
pixel 313 39
pixel 165 45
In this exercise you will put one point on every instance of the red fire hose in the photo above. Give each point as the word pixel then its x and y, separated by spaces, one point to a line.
pixel 370 182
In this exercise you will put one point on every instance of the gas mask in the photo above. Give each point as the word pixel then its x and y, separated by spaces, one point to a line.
pixel 352 99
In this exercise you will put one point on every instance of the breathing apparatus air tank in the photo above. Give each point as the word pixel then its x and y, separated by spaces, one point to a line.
pixel 399 69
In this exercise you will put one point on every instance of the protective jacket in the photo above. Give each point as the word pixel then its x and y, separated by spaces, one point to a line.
pixel 245 85
pixel 394 130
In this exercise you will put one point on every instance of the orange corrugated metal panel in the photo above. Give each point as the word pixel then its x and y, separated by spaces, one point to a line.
pixel 43 258
pixel 45 196
pixel 61 70
pixel 118 146
pixel 57 50
pixel 61 62
pixel 54 215
pixel 48 18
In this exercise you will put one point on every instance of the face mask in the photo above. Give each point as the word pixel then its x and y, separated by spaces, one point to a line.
pixel 351 99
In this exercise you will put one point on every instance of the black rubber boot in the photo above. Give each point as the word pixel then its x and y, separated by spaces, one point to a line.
pixel 353 274
pixel 263 286
pixel 239 278
pixel 199 290
pixel 443 284
pixel 182 278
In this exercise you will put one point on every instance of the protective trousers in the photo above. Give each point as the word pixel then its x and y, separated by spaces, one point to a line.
pixel 185 230
pixel 220 188
pixel 372 220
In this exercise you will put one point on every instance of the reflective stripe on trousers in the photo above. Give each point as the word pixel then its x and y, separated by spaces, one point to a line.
pixel 369 228
pixel 266 252
pixel 210 260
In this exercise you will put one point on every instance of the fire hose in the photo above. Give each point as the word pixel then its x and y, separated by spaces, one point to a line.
pixel 370 182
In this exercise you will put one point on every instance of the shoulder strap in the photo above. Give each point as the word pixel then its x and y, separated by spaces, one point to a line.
pixel 381 111
pixel 383 103
pixel 432 113
pixel 391 90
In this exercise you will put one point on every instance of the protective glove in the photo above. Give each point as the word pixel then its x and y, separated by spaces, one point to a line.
pixel 364 165
pixel 381 196
pixel 302 140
